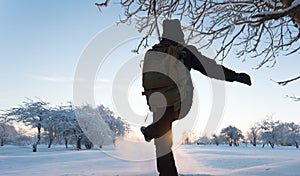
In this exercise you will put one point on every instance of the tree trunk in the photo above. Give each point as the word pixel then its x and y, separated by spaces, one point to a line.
pixel 79 143
pixel 272 144
pixel 34 145
pixel 88 145
pixel 3 136
pixel 51 136
pixel 297 145
pixel 254 141
pixel 50 142
pixel 66 143
pixel 235 143
pixel 230 142
pixel 39 133
pixel 2 141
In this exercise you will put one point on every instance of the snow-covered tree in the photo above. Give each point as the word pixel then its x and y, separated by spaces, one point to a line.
pixel 68 125
pixel 294 131
pixel 87 124
pixel 232 135
pixel 256 27
pixel 63 123
pixel 268 132
pixel 7 133
pixel 11 133
pixel 185 138
pixel 262 29
pixel 116 124
pixel 49 120
pixel 3 131
pixel 218 139
pixel 278 133
pixel 215 139
pixel 50 125
pixel 21 139
pixel 100 124
pixel 31 113
pixel 253 134
pixel 204 140
pixel 287 134
pixel 189 137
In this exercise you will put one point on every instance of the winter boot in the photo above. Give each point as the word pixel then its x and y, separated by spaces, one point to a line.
pixel 143 129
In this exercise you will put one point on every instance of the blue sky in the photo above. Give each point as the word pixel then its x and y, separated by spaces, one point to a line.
pixel 41 42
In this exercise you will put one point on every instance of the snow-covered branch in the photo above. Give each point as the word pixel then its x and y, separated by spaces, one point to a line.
pixel 245 27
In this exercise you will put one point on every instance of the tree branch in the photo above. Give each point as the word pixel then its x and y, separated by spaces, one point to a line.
pixel 284 83
pixel 269 26
pixel 293 97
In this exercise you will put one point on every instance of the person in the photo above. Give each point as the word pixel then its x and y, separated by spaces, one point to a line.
pixel 161 128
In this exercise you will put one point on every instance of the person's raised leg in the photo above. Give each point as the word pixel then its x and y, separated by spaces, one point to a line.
pixel 162 123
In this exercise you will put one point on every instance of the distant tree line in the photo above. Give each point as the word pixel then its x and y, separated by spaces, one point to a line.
pixel 267 132
pixel 59 125
pixel 54 124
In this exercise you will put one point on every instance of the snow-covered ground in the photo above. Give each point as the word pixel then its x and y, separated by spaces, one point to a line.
pixel 191 160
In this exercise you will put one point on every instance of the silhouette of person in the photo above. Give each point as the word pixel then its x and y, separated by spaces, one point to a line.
pixel 161 128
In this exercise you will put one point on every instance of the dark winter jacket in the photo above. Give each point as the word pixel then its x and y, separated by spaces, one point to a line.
pixel 195 60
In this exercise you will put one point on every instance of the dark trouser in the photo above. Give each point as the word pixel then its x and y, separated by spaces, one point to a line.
pixel 161 131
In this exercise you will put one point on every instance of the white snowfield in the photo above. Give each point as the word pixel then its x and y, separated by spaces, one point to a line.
pixel 192 160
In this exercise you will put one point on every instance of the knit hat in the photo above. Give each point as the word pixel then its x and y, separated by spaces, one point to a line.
pixel 172 30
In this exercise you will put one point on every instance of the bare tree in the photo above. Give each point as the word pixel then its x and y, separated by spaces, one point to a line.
pixel 246 27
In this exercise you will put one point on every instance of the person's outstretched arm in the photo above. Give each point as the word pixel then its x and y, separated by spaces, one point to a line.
pixel 211 69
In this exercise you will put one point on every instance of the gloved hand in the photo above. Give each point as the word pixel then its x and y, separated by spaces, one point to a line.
pixel 244 78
